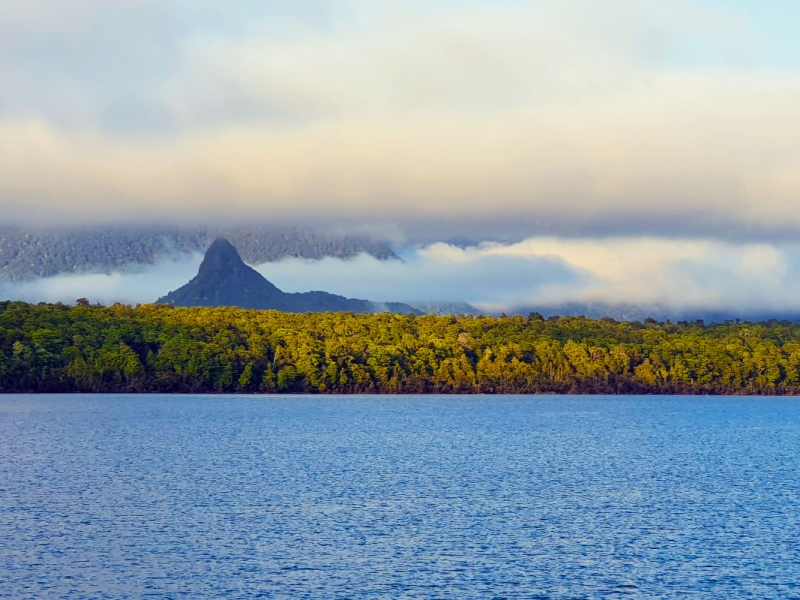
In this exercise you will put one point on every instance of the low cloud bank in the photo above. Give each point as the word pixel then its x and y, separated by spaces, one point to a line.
pixel 669 277
pixel 142 286
pixel 425 277
pixel 658 276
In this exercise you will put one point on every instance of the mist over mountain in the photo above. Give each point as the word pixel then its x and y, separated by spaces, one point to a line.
pixel 623 312
pixel 30 253
pixel 223 279
pixel 446 308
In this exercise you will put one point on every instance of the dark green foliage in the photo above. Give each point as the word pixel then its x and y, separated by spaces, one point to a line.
pixel 160 348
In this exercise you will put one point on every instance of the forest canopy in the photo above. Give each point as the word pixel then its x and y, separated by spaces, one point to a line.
pixel 159 348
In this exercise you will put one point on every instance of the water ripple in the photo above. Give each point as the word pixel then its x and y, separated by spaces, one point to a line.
pixel 399 497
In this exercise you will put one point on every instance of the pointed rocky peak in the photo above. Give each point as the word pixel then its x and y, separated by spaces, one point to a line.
pixel 225 280
pixel 221 258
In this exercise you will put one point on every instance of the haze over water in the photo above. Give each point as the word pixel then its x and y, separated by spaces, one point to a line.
pixel 401 496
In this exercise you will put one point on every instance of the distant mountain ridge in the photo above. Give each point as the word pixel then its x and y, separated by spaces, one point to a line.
pixel 30 253
pixel 624 312
pixel 446 308
pixel 223 279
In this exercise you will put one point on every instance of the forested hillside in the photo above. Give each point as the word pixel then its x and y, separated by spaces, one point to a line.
pixel 161 348
pixel 26 254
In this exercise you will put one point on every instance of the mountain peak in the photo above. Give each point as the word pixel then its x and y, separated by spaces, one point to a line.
pixel 225 280
pixel 221 258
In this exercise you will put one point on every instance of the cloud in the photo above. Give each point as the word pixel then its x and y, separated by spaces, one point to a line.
pixel 677 276
pixel 424 277
pixel 672 272
pixel 142 286
pixel 481 118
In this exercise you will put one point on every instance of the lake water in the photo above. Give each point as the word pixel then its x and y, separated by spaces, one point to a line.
pixel 399 497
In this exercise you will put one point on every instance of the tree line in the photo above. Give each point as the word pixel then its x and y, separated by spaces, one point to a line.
pixel 159 348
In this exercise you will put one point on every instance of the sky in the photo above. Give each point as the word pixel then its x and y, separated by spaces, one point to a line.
pixel 589 129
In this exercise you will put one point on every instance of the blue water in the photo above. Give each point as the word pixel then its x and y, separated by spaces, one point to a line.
pixel 399 497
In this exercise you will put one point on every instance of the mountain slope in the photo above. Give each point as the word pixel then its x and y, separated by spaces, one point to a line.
pixel 446 308
pixel 225 280
pixel 31 253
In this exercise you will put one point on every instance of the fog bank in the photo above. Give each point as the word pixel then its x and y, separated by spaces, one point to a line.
pixel 665 276
pixel 146 284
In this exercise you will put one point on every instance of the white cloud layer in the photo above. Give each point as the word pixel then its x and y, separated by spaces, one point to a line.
pixel 145 285
pixel 678 275
pixel 681 275
pixel 573 111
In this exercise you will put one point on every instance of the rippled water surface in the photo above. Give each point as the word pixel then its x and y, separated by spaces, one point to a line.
pixel 399 497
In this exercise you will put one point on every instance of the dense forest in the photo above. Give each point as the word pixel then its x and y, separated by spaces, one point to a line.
pixel 31 253
pixel 56 347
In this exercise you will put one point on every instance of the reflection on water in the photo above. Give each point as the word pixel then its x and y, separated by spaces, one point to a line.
pixel 401 497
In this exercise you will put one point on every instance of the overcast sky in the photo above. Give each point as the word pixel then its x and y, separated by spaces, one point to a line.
pixel 627 150
pixel 434 118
